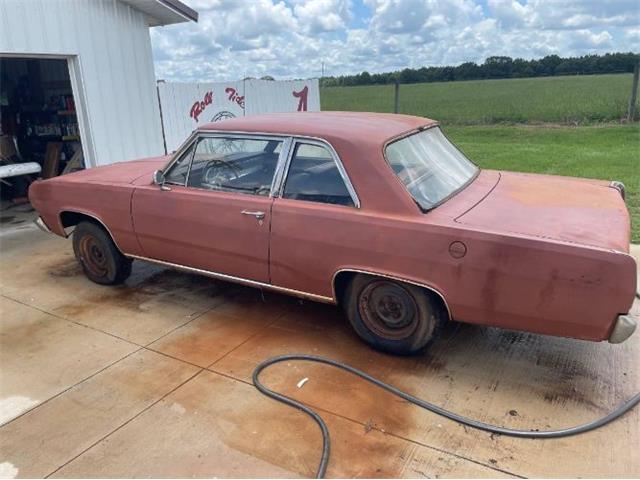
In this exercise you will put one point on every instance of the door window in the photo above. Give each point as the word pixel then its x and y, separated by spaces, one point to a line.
pixel 242 165
pixel 177 175
pixel 315 177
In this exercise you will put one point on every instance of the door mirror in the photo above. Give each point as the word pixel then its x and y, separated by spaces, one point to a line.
pixel 158 177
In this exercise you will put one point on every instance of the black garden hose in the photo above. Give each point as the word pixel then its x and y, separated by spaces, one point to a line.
pixel 324 459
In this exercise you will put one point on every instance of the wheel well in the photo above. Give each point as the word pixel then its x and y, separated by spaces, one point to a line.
pixel 343 278
pixel 340 284
pixel 71 219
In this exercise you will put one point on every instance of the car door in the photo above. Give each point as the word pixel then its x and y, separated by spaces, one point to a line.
pixel 316 220
pixel 214 208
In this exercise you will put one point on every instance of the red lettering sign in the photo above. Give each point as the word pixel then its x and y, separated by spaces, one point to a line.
pixel 234 97
pixel 302 95
pixel 199 106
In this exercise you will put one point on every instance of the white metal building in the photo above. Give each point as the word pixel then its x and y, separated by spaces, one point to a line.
pixel 107 48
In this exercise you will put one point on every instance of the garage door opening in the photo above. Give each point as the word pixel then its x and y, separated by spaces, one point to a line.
pixel 39 132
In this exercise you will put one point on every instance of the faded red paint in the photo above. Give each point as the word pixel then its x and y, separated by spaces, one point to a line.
pixel 541 253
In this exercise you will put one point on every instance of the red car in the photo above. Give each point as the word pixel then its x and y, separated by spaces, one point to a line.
pixel 380 214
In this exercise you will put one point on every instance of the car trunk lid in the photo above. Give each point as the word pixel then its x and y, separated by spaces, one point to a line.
pixel 581 211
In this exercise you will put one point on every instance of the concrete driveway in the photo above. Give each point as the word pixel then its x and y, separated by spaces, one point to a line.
pixel 153 379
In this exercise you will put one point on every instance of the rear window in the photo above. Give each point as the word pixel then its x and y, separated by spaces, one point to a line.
pixel 430 166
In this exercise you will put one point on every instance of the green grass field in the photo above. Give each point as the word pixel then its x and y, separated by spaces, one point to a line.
pixel 575 99
pixel 605 152
pixel 525 125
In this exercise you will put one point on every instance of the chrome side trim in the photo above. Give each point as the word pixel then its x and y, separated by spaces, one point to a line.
pixel 391 277
pixel 41 225
pixel 622 329
pixel 240 280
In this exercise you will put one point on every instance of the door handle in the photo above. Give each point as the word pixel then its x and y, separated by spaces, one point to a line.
pixel 258 215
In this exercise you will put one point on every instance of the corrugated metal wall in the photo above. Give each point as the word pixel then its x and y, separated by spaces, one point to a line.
pixel 112 65
pixel 230 99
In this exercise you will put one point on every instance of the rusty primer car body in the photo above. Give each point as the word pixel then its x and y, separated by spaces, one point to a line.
pixel 537 253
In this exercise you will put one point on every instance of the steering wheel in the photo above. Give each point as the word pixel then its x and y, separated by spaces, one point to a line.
pixel 217 172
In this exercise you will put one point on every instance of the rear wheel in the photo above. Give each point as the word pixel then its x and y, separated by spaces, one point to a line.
pixel 393 316
pixel 101 260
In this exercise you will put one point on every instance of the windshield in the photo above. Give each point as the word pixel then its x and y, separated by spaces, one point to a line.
pixel 430 166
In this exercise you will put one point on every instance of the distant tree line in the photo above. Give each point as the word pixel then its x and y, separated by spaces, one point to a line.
pixel 496 67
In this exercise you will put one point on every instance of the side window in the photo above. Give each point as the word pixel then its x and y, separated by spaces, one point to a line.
pixel 240 165
pixel 314 176
pixel 177 175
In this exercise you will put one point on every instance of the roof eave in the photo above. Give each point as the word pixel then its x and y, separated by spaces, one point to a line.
pixel 188 13
pixel 164 12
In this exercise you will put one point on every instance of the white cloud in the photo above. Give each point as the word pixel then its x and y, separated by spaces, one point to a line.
pixel 510 13
pixel 291 39
pixel 322 15
pixel 590 40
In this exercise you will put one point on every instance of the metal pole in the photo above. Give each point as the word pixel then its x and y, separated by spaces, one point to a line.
pixel 396 106
pixel 634 93
pixel 164 137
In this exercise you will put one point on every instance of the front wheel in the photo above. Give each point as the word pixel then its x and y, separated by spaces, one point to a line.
pixel 392 316
pixel 98 255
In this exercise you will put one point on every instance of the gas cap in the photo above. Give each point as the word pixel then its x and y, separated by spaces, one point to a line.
pixel 457 249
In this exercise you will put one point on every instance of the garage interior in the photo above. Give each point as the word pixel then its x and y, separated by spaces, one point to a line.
pixel 153 379
pixel 39 132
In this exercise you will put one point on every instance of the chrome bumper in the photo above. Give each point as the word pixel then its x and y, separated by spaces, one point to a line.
pixel 41 225
pixel 623 329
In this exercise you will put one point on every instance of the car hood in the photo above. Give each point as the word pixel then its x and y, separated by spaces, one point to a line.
pixel 586 212
pixel 123 172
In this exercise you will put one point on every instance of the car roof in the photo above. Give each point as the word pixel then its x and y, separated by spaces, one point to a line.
pixel 347 126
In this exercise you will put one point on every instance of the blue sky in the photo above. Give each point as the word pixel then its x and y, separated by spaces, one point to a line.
pixel 292 38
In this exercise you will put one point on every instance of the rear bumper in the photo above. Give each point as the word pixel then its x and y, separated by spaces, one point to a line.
pixel 623 328
pixel 41 225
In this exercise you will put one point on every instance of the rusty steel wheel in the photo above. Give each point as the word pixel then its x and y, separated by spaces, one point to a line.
pixel 93 255
pixel 388 310
pixel 101 260
pixel 391 315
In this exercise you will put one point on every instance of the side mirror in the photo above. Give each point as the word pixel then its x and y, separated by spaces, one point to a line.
pixel 158 177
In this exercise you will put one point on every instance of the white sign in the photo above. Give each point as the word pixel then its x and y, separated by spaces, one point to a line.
pixel 186 106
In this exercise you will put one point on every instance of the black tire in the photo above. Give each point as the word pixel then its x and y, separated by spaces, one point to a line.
pixel 99 257
pixel 392 316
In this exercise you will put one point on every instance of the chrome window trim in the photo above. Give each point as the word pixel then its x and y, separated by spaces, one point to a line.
pixel 336 160
pixel 186 179
pixel 181 149
pixel 239 280
pixel 197 135
pixel 280 175
pixel 410 133
pixel 280 166
pixel 285 168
